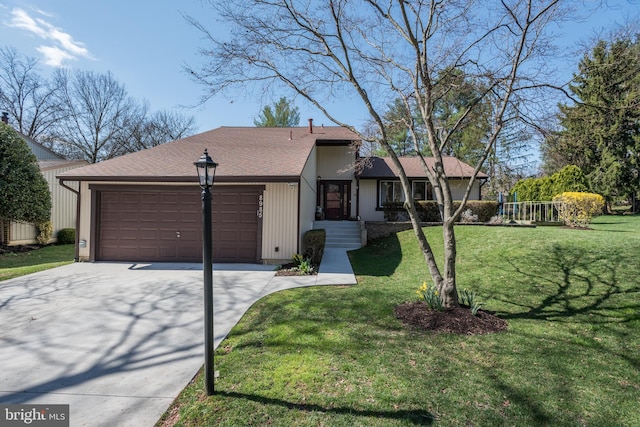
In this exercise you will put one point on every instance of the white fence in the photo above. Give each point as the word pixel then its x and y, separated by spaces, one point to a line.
pixel 531 212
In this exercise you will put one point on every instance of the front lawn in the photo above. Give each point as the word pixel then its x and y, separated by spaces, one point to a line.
pixel 337 356
pixel 27 262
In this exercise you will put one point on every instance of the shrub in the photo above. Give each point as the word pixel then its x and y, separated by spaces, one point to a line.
pixel 483 209
pixel 577 209
pixel 313 244
pixel 67 236
pixel 45 230
pixel 24 192
pixel 395 212
pixel 568 179
pixel 428 211
pixel 468 216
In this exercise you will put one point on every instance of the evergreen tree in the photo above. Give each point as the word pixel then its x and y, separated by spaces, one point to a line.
pixel 601 133
pixel 452 110
pixel 24 193
pixel 282 114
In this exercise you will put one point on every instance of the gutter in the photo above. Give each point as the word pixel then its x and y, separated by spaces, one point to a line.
pixel 76 257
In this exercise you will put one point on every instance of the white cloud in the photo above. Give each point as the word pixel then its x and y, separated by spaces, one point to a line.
pixel 63 46
pixel 54 56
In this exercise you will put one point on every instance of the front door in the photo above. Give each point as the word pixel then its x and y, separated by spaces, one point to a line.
pixel 336 200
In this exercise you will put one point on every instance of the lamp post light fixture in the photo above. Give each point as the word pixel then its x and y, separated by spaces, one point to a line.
pixel 206 168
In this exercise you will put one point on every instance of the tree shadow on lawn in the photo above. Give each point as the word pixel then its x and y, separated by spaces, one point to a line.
pixel 416 417
pixel 577 286
pixel 573 282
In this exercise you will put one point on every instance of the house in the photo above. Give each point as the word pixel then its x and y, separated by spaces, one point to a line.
pixel 271 184
pixel 63 202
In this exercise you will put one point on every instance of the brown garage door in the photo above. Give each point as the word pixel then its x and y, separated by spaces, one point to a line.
pixel 166 226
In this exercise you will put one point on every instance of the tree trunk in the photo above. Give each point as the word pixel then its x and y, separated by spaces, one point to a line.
pixel 448 291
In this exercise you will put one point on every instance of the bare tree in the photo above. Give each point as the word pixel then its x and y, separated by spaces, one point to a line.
pixel 26 96
pixel 375 51
pixel 100 116
pixel 159 128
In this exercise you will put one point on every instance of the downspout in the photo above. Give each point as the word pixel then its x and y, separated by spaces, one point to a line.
pixel 77 244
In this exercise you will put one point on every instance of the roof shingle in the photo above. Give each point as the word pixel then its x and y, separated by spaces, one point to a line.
pixel 383 167
pixel 242 154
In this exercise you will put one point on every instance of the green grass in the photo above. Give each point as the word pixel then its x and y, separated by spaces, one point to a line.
pixel 19 264
pixel 337 356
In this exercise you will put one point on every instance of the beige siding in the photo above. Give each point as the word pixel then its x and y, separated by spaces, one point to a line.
pixel 84 233
pixel 459 186
pixel 335 162
pixel 369 201
pixel 308 194
pixel 63 210
pixel 280 222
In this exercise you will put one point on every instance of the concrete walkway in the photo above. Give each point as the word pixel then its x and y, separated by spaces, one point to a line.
pixel 117 341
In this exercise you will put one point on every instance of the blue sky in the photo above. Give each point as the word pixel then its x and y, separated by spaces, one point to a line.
pixel 145 44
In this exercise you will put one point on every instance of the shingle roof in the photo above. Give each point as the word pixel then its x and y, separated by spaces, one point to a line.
pixel 46 165
pixel 242 154
pixel 382 167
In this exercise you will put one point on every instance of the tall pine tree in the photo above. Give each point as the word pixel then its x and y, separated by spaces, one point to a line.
pixel 601 132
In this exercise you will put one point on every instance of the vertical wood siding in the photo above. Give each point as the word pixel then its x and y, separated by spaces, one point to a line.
pixel 308 195
pixel 369 201
pixel 335 162
pixel 280 222
pixel 63 210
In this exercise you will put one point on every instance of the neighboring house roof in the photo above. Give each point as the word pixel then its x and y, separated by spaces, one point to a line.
pixel 383 167
pixel 40 151
pixel 243 154
pixel 47 165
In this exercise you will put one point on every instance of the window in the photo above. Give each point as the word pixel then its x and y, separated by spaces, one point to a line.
pixel 390 191
pixel 421 190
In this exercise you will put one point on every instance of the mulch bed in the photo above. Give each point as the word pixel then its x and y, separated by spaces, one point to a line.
pixel 17 249
pixel 458 320
pixel 290 270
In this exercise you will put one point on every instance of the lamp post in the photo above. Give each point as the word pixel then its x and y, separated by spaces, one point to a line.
pixel 206 168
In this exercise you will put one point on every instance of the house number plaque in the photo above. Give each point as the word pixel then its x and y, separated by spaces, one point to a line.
pixel 260 205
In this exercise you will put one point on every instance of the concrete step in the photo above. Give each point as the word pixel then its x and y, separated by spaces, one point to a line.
pixel 341 234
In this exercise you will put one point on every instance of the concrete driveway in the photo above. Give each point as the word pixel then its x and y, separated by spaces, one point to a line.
pixel 117 341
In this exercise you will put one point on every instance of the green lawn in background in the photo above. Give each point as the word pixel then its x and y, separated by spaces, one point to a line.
pixel 337 356
pixel 18 264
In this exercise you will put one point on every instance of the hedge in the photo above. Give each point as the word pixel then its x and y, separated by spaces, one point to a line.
pixel 313 245
pixel 428 210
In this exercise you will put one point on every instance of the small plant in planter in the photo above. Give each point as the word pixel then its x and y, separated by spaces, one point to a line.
pixel 300 266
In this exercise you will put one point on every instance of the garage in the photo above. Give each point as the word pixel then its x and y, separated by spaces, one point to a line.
pixel 165 225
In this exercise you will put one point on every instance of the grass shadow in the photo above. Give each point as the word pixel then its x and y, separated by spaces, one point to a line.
pixel 379 258
pixel 573 281
pixel 415 417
